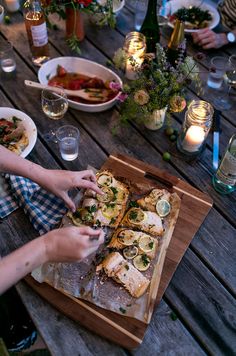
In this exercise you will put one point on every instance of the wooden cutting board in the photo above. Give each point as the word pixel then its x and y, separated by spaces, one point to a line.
pixel 195 205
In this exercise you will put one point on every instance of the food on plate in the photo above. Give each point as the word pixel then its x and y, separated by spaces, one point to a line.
pixel 116 267
pixel 13 134
pixel 146 221
pixel 149 202
pixel 76 81
pixel 194 17
pixel 106 209
pixel 142 262
pixel 130 241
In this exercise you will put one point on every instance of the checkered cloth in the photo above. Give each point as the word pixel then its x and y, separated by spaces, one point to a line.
pixel 44 209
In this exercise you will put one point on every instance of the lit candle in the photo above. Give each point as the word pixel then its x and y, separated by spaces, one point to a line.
pixel 135 47
pixel 194 138
pixel 130 71
pixel 12 5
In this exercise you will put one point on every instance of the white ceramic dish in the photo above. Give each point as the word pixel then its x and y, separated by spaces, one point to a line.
pixel 173 5
pixel 7 113
pixel 84 66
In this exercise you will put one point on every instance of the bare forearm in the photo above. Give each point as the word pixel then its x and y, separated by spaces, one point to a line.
pixel 21 262
pixel 13 164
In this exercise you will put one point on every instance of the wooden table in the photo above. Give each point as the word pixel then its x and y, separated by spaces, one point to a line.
pixel 202 291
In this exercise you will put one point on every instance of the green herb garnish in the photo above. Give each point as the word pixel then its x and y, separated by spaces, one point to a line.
pixel 122 310
pixel 133 204
pixel 145 260
pixel 151 244
pixel 92 209
pixel 112 221
pixel 133 215
pixel 127 267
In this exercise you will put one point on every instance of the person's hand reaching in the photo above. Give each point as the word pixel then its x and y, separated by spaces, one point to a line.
pixel 71 243
pixel 207 39
pixel 59 182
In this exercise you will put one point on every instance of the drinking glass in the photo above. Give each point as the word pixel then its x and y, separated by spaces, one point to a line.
pixel 217 72
pixel 68 140
pixel 54 105
pixel 7 60
pixel 231 72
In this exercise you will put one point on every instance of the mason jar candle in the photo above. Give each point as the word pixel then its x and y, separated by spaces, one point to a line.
pixel 135 48
pixel 195 128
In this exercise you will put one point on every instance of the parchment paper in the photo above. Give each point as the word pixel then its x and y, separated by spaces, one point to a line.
pixel 81 280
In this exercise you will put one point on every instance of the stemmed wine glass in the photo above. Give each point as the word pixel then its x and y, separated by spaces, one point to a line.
pixel 231 72
pixel 54 105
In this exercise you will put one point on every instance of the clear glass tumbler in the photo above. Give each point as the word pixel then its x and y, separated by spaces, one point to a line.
pixel 54 105
pixel 68 140
pixel 7 58
pixel 217 71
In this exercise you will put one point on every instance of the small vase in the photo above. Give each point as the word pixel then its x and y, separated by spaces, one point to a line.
pixel 156 119
pixel 74 23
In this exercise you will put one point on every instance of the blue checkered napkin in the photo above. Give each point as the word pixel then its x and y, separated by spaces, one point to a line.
pixel 44 209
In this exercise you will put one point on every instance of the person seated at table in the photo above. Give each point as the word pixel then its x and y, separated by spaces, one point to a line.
pixel 207 38
pixel 61 245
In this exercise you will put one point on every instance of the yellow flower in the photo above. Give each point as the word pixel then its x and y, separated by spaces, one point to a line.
pixel 177 103
pixel 141 97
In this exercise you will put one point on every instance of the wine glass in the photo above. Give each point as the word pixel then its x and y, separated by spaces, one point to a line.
pixel 231 72
pixel 54 105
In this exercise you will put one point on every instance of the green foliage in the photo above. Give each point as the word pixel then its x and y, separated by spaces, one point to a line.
pixel 158 85
pixel 59 7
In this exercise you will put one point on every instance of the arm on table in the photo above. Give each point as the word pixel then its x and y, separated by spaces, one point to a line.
pixel 207 38
pixel 59 182
pixel 62 245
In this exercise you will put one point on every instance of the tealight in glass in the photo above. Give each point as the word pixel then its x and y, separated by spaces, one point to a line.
pixel 195 128
pixel 135 48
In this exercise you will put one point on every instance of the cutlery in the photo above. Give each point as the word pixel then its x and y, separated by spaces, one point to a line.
pixel 91 94
pixel 216 137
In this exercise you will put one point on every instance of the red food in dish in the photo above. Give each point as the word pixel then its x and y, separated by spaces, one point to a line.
pixel 76 81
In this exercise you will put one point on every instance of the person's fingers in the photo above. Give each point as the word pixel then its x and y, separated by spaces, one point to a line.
pixel 87 230
pixel 88 174
pixel 69 202
pixel 83 183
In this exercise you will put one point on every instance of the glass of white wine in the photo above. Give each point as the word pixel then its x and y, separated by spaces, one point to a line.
pixel 54 105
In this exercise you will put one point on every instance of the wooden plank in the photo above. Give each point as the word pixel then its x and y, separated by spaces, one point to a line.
pixel 63 336
pixel 208 310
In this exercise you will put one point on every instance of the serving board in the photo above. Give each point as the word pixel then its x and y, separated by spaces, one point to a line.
pixel 195 205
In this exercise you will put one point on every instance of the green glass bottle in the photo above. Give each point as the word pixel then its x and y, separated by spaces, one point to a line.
pixel 176 50
pixel 150 27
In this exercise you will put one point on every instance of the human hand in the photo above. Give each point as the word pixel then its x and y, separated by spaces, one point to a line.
pixel 207 38
pixel 71 243
pixel 59 182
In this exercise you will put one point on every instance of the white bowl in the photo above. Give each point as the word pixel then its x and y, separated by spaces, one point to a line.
pixel 173 5
pixel 29 125
pixel 83 66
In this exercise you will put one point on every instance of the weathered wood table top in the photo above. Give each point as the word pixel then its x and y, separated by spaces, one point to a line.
pixel 202 291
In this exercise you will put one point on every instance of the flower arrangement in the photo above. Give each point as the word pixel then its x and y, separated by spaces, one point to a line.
pixel 104 7
pixel 158 85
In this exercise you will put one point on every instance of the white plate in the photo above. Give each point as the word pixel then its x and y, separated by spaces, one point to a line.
pixel 7 113
pixel 83 66
pixel 174 5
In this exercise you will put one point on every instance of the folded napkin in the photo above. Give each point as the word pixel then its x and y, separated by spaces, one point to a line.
pixel 44 209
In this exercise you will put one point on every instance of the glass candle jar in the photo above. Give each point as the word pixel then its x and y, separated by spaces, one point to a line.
pixel 135 48
pixel 195 128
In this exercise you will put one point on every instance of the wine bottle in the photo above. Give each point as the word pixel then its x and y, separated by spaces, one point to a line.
pixel 224 180
pixel 150 27
pixel 36 28
pixel 176 49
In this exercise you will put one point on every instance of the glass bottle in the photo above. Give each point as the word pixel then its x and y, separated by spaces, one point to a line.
pixel 135 47
pixel 224 180
pixel 195 128
pixel 176 49
pixel 150 27
pixel 36 28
